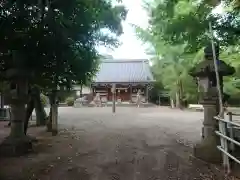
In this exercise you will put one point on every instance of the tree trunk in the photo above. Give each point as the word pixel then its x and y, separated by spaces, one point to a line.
pixel 52 119
pixel 178 105
pixel 30 107
pixel 40 112
pixel 181 95
pixel 54 114
pixel 81 90
pixel 172 103
pixel 49 121
pixel 2 100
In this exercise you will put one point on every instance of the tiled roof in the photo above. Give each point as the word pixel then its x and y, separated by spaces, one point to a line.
pixel 127 71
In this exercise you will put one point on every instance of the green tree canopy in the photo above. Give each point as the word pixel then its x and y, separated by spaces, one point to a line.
pixel 177 32
pixel 57 39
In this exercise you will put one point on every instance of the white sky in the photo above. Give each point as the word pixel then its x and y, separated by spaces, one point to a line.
pixel 131 47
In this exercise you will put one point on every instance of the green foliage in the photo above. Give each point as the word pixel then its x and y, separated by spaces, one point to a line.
pixel 56 40
pixel 70 101
pixel 177 32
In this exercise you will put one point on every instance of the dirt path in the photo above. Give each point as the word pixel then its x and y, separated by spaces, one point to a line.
pixel 131 145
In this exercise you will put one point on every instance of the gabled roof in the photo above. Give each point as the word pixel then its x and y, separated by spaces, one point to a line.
pixel 124 71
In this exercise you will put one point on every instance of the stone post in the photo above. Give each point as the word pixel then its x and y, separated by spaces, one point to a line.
pixel 207 148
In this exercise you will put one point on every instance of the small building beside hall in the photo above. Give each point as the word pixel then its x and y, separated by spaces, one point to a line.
pixel 129 75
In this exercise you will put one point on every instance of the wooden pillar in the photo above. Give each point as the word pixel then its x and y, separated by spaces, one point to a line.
pixel 146 95
pixel 93 87
pixel 114 98
pixel 107 97
pixel 130 93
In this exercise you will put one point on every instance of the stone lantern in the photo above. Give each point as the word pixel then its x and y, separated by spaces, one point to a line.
pixel 205 73
pixel 17 142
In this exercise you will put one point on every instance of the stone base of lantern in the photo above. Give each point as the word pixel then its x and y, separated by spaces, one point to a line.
pixel 207 150
pixel 13 146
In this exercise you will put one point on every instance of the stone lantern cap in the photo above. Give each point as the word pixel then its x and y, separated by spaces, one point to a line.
pixel 206 68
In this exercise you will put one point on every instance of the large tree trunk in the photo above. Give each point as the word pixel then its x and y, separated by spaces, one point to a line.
pixel 30 107
pixel 2 100
pixel 178 104
pixel 172 103
pixel 49 121
pixel 179 95
pixel 39 108
pixel 81 90
pixel 54 113
pixel 54 119
pixel 52 125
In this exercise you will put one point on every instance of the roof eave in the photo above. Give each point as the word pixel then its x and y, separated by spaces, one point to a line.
pixel 116 82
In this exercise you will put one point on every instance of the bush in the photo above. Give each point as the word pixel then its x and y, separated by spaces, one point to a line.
pixel 70 101
pixel 44 100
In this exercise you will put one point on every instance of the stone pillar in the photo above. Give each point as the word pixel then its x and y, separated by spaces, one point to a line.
pixel 207 148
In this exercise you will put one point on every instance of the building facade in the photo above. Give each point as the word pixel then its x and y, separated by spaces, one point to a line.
pixel 130 76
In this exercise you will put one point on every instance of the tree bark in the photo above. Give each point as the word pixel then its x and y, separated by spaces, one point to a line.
pixel 30 107
pixel 52 99
pixel 172 103
pixel 54 113
pixel 2 100
pixel 81 90
pixel 39 108
pixel 49 121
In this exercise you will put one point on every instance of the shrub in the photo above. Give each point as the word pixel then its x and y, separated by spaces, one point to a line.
pixel 70 101
pixel 44 100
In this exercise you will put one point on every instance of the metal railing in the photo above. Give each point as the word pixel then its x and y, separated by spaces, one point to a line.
pixel 226 134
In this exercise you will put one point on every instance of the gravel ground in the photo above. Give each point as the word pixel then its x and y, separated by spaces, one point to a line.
pixel 132 144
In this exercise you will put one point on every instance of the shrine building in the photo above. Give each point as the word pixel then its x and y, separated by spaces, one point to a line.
pixel 130 76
